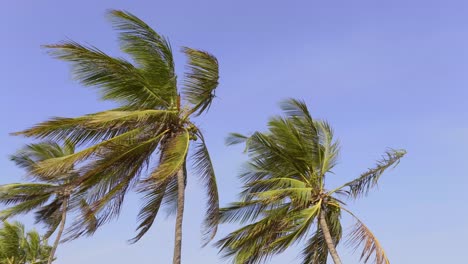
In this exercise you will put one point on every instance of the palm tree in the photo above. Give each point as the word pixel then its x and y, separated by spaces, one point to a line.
pixel 19 247
pixel 152 126
pixel 284 198
pixel 52 197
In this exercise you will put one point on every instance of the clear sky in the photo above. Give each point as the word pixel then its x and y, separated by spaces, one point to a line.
pixel 384 73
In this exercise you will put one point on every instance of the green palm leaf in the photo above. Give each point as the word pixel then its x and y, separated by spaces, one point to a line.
pixel 362 185
pixel 151 52
pixel 152 202
pixel 174 153
pixel 117 79
pixel 204 168
pixel 201 79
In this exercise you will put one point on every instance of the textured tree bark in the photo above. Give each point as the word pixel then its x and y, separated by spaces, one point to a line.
pixel 328 239
pixel 61 228
pixel 180 215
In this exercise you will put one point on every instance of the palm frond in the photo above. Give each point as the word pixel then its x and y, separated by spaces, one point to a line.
pixel 95 213
pixel 21 192
pixel 150 51
pixel 371 247
pixel 127 163
pixel 173 157
pixel 169 201
pixel 296 108
pixel 75 130
pixel 303 220
pixel 299 195
pixel 110 205
pixel 328 147
pixel 276 189
pixel 236 138
pixel 315 251
pixel 251 243
pixel 201 79
pixel 24 206
pixel 28 156
pixel 160 188
pixel 95 127
pixel 362 185
pixel 204 168
pixel 82 228
pixel 152 201
pixel 244 211
pixel 55 166
pixel 50 215
pixel 105 182
pixel 270 153
pixel 117 79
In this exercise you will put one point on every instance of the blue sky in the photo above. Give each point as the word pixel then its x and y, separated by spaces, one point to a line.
pixel 384 73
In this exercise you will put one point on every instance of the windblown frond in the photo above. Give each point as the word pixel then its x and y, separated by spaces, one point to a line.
pixel 117 78
pixel 204 168
pixel 244 211
pixel 151 205
pixel 303 220
pixel 151 52
pixel 96 127
pixel 251 243
pixel 80 228
pixel 362 185
pixel 328 147
pixel 50 215
pixel 73 129
pixel 106 180
pixel 296 108
pixel 275 184
pixel 362 236
pixel 173 157
pixel 31 154
pixel 268 153
pixel 315 251
pixel 201 79
pixel 24 197
pixel 55 166
pixel 236 138
pixel 173 154
pixel 20 192
pixel 24 207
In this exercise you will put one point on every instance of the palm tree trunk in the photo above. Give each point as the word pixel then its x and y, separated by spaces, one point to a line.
pixel 180 215
pixel 61 228
pixel 328 238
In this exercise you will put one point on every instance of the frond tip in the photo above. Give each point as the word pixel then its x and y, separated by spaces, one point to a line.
pixel 362 185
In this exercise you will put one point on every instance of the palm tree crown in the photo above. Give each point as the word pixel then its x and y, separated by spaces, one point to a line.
pixel 284 199
pixel 151 128
pixel 19 247
pixel 51 197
